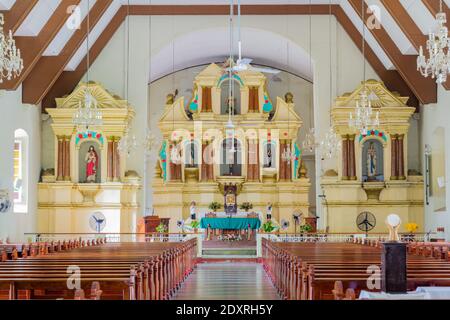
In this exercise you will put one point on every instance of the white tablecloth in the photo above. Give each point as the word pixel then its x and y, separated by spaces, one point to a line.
pixel 421 293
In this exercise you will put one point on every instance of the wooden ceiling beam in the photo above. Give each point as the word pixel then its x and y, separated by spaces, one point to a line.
pixel 33 47
pixel 49 68
pixel 17 14
pixel 425 89
pixel 405 22
pixel 434 7
pixel 69 79
pixel 391 78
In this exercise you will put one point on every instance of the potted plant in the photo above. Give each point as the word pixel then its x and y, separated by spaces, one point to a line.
pixel 214 206
pixel 305 228
pixel 268 227
pixel 161 228
pixel 194 225
pixel 246 206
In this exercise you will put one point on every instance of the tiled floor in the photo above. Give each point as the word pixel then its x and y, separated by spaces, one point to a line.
pixel 228 281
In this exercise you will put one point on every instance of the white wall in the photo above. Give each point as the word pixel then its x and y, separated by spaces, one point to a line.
pixel 27 117
pixel 435 117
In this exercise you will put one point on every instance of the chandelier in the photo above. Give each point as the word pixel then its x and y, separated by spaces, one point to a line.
pixel 11 63
pixel 310 142
pixel 150 143
pixel 88 114
pixel 331 144
pixel 364 114
pixel 127 144
pixel 438 63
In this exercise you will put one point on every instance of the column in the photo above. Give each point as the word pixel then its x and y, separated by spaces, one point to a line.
pixel 253 99
pixel 394 162
pixel 110 159
pixel 351 157
pixel 345 167
pixel 206 99
pixel 116 161
pixel 204 167
pixel 281 169
pixel 401 157
pixel 253 161
pixel 60 174
pixel 288 166
pixel 67 158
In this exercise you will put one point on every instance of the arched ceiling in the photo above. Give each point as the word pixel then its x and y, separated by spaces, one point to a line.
pixel 187 51
pixel 54 54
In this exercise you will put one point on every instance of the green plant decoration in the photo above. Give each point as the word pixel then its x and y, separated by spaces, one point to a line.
pixel 246 206
pixel 195 224
pixel 161 228
pixel 305 228
pixel 214 206
pixel 268 227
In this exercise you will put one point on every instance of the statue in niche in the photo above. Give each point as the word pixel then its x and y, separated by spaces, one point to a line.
pixel 193 211
pixel 92 162
pixel 269 211
pixel 371 162
pixel 268 156
pixel 231 102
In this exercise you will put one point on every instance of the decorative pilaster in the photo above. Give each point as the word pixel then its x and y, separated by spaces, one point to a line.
pixel 66 147
pixel 351 157
pixel 345 164
pixel 401 157
pixel 394 161
pixel 206 99
pixel 110 159
pixel 253 99
pixel 253 161
pixel 60 174
pixel 116 159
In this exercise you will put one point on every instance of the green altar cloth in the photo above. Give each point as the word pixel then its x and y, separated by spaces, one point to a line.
pixel 230 223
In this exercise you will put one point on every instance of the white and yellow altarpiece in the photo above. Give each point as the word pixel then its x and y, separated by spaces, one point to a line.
pixel 372 169
pixel 89 178
pixel 203 152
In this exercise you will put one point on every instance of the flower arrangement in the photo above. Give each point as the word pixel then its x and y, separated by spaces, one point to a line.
pixel 412 227
pixel 230 237
pixel 161 228
pixel 214 206
pixel 246 206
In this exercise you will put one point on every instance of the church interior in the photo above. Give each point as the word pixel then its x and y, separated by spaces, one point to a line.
pixel 289 150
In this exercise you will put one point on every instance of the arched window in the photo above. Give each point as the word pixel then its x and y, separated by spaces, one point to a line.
pixel 20 186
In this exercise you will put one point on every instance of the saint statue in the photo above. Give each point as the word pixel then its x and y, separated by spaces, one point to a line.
pixel 193 210
pixel 269 156
pixel 269 211
pixel 192 157
pixel 231 102
pixel 371 161
pixel 92 160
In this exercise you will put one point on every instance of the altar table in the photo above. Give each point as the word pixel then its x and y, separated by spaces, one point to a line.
pixel 230 223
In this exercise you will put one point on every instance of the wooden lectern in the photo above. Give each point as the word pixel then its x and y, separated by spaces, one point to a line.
pixel 312 221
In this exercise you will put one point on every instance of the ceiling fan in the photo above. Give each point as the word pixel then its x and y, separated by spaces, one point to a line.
pixel 243 64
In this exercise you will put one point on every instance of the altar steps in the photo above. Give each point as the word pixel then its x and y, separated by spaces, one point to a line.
pixel 229 252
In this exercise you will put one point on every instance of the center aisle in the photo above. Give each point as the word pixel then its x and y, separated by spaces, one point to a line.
pixel 228 281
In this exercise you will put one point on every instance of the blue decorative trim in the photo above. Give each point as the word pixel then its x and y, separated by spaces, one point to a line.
pixel 267 107
pixel 374 133
pixel 163 159
pixel 297 153
pixel 226 76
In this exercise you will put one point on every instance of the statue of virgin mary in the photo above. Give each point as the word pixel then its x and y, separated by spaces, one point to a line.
pixel 371 162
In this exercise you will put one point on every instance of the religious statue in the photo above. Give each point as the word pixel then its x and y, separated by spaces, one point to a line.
pixel 269 211
pixel 371 162
pixel 192 155
pixel 92 161
pixel 193 210
pixel 170 98
pixel 231 102
pixel 289 97
pixel 269 156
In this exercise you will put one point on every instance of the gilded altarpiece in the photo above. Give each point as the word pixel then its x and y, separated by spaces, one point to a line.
pixel 197 134
pixel 372 170
pixel 89 174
